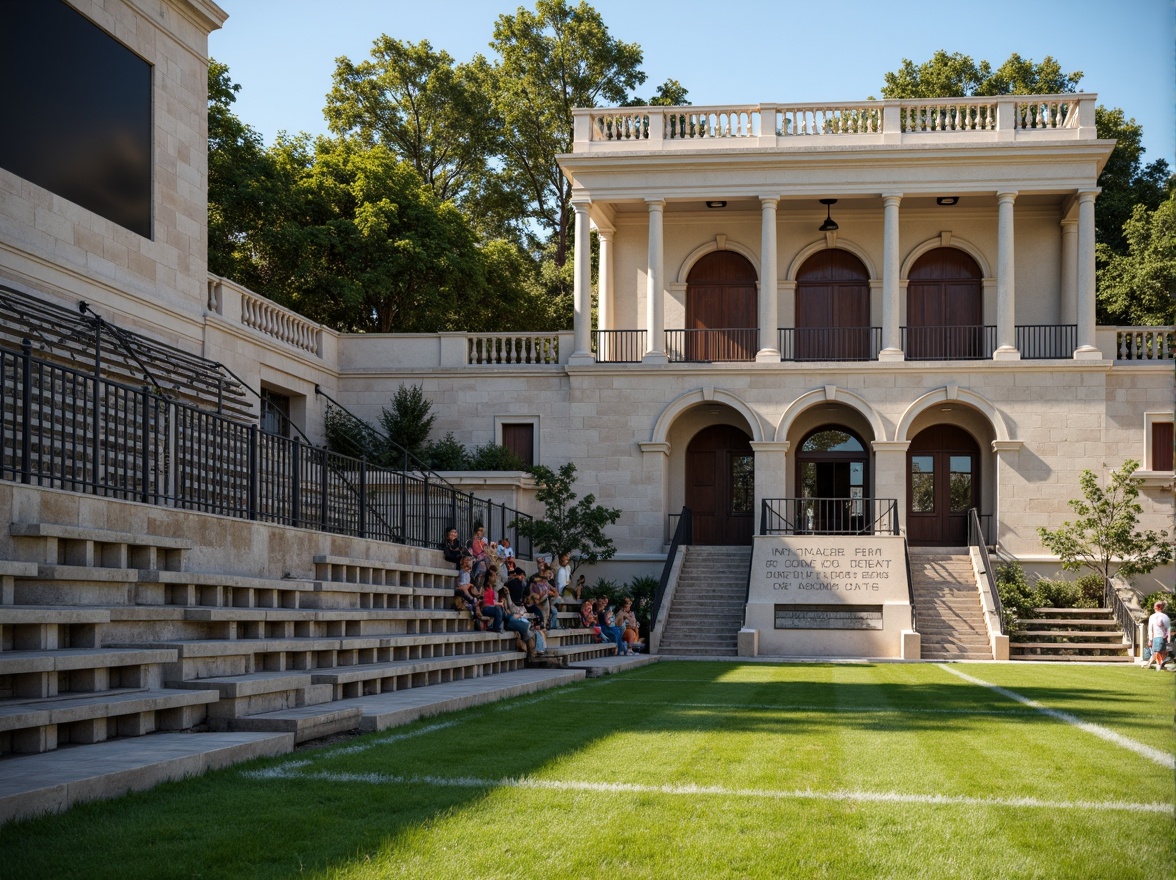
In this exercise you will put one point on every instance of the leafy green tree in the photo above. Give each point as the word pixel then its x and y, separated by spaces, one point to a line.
pixel 245 193
pixel 957 75
pixel 569 526
pixel 1125 180
pixel 427 110
pixel 1106 529
pixel 1138 287
pixel 551 60
pixel 408 423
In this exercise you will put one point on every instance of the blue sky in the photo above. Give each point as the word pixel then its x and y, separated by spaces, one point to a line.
pixel 282 52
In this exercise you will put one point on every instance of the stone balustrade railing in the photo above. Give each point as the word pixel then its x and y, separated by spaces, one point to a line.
pixel 264 316
pixel 1005 117
pixel 1145 343
pixel 513 348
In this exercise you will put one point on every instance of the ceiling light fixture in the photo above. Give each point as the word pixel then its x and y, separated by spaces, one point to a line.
pixel 716 204
pixel 947 200
pixel 829 225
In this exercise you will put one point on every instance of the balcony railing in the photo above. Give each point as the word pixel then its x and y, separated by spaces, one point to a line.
pixel 618 346
pixel 1145 343
pixel 710 346
pixel 1045 341
pixel 829 343
pixel 1005 117
pixel 966 343
pixel 829 516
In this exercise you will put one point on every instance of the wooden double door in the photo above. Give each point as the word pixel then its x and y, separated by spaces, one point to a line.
pixel 720 485
pixel 722 312
pixel 943 484
pixel 945 307
pixel 832 308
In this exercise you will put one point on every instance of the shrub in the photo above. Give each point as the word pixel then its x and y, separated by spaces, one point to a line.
pixel 447 455
pixel 495 457
pixel 1148 602
pixel 408 423
pixel 1049 593
pixel 1091 586
pixel 1016 597
pixel 347 435
pixel 642 590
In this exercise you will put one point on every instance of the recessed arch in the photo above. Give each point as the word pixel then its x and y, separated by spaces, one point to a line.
pixel 718 243
pixel 960 395
pixel 830 394
pixel 820 245
pixel 945 239
pixel 683 402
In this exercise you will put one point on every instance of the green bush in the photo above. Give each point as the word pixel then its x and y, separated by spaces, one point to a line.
pixel 1148 602
pixel 495 457
pixel 448 455
pixel 1016 597
pixel 1049 593
pixel 1091 587
pixel 642 590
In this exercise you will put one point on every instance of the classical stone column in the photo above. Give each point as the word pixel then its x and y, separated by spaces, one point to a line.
pixel 771 471
pixel 1069 272
pixel 1006 294
pixel 768 299
pixel 582 287
pixel 1087 349
pixel 891 259
pixel 890 467
pixel 604 293
pixel 1006 454
pixel 655 297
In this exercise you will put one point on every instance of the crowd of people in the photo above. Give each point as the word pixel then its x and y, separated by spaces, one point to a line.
pixel 500 597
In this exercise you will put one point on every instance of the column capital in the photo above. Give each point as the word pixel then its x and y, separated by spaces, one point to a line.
pixel 1008 196
pixel 1069 226
pixel 780 446
pixel 1088 195
pixel 891 198
pixel 769 201
pixel 605 234
pixel 655 204
pixel 581 206
pixel 1003 447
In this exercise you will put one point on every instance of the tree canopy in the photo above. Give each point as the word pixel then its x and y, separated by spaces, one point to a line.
pixel 957 75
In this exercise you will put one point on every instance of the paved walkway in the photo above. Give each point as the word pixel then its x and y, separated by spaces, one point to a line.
pixel 54 781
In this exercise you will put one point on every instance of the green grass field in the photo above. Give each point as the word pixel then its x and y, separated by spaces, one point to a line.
pixel 685 770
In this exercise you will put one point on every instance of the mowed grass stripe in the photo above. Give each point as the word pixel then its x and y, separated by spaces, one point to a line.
pixel 296 772
pixel 1104 733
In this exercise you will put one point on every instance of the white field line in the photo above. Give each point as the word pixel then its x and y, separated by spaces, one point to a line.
pixel 1152 754
pixel 798 707
pixel 529 782
pixel 386 740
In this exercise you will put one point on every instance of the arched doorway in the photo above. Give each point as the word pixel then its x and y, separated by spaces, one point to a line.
pixel 832 471
pixel 943 484
pixel 722 322
pixel 720 485
pixel 945 307
pixel 832 308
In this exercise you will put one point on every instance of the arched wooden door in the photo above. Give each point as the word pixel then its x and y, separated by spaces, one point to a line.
pixel 722 318
pixel 720 485
pixel 832 308
pixel 943 484
pixel 832 473
pixel 945 307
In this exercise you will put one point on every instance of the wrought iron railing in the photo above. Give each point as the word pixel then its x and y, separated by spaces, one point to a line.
pixel 682 537
pixel 710 346
pixel 829 343
pixel 829 516
pixel 1127 620
pixel 977 538
pixel 66 429
pixel 618 346
pixel 1045 341
pixel 964 343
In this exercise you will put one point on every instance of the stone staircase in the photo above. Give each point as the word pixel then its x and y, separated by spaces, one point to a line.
pixel 709 600
pixel 947 605
pixel 1091 635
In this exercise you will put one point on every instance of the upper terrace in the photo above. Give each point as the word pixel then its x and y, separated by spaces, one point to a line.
pixel 1008 118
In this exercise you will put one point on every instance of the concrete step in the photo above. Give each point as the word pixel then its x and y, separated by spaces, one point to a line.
pixel 1073 658
pixel 54 782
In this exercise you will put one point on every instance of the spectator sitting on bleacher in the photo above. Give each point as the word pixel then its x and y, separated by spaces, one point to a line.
pixel 516 582
pixel 610 631
pixel 627 621
pixel 505 550
pixel 463 594
pixel 478 547
pixel 563 575
pixel 491 610
pixel 515 620
pixel 588 618
pixel 537 603
pixel 452 549
pixel 552 603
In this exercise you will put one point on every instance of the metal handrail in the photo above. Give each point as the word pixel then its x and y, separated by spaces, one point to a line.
pixel 683 535
pixel 976 539
pixel 1127 620
pixel 829 516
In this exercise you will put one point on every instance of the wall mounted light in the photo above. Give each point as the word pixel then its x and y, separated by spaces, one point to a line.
pixel 947 200
pixel 716 204
pixel 829 225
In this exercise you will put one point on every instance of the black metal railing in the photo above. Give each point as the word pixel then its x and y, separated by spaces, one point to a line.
pixel 618 346
pixel 977 537
pixel 1127 620
pixel 1044 341
pixel 829 516
pixel 682 538
pixel 65 429
pixel 829 343
pixel 709 346
pixel 965 343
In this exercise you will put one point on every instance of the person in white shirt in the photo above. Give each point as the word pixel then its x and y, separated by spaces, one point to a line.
pixel 563 575
pixel 1159 631
pixel 505 551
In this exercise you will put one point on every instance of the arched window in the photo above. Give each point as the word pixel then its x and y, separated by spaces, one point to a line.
pixel 832 469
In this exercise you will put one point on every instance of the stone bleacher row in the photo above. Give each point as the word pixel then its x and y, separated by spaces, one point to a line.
pixel 105 634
